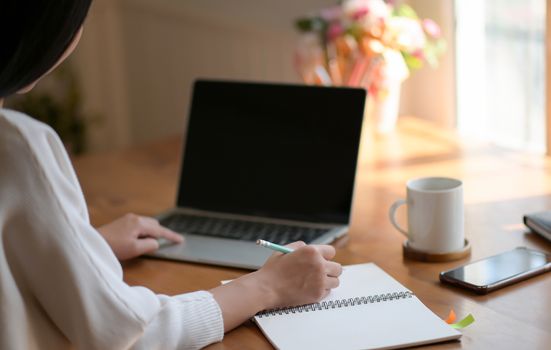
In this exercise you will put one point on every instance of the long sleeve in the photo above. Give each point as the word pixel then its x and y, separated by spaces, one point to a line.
pixel 62 264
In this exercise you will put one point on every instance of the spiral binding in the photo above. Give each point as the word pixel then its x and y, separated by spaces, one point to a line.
pixel 334 304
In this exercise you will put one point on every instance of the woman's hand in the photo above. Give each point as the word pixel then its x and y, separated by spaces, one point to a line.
pixel 302 277
pixel 133 235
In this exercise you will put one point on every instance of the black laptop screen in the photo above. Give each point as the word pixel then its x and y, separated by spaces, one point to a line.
pixel 281 151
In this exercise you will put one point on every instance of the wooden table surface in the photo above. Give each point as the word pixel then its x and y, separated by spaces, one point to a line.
pixel 499 187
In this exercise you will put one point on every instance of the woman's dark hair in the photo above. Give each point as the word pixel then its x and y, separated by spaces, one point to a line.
pixel 35 34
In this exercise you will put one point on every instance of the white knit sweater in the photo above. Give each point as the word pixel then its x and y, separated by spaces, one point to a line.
pixel 61 285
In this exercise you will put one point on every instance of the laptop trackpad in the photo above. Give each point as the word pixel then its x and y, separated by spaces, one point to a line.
pixel 218 251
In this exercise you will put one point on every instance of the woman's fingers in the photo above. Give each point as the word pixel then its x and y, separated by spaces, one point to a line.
pixel 327 251
pixel 150 227
pixel 170 235
pixel 331 282
pixel 333 269
pixel 146 245
pixel 296 245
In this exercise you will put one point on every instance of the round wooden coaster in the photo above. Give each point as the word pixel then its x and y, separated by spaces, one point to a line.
pixel 411 253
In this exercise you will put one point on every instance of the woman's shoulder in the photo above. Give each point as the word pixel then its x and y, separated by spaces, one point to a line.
pixel 18 131
pixel 27 140
pixel 31 150
pixel 14 120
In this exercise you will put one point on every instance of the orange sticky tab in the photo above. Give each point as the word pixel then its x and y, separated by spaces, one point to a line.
pixel 451 317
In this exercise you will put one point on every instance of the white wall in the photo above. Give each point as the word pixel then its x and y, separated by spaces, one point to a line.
pixel 138 59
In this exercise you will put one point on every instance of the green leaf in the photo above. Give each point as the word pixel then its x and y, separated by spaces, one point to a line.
pixel 310 24
pixel 440 46
pixel 304 24
pixel 433 50
pixel 412 62
pixel 431 58
pixel 404 10
pixel 355 30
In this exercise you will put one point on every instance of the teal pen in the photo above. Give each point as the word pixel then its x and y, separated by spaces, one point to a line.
pixel 273 246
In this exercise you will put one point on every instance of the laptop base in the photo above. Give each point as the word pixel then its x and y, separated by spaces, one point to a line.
pixel 215 251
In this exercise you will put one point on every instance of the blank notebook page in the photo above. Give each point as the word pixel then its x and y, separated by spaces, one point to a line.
pixel 348 323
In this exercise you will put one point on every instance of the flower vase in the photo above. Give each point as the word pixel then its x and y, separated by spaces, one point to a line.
pixel 383 107
pixel 383 104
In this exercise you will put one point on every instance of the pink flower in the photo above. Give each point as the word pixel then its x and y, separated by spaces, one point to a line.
pixel 335 30
pixel 431 28
pixel 418 54
pixel 405 34
pixel 359 13
pixel 366 13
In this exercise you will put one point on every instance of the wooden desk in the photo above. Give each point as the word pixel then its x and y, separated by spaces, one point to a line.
pixel 500 186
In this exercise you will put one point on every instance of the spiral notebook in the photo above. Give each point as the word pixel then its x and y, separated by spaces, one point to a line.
pixel 369 310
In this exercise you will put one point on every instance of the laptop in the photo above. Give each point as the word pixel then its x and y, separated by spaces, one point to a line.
pixel 264 161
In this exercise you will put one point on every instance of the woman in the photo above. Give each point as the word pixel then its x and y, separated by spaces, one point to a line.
pixel 60 281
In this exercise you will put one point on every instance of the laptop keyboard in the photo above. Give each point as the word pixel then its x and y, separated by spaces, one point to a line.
pixel 241 229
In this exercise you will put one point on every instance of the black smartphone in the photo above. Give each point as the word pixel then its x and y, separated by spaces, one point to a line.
pixel 494 272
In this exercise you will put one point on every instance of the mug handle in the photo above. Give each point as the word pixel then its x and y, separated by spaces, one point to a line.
pixel 392 215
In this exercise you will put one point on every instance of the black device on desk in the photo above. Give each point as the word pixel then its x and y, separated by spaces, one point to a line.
pixel 494 272
pixel 264 161
pixel 539 223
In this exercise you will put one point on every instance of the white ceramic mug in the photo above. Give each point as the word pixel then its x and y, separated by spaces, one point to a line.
pixel 435 214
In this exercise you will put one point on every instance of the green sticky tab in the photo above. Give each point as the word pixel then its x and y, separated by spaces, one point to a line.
pixel 463 323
